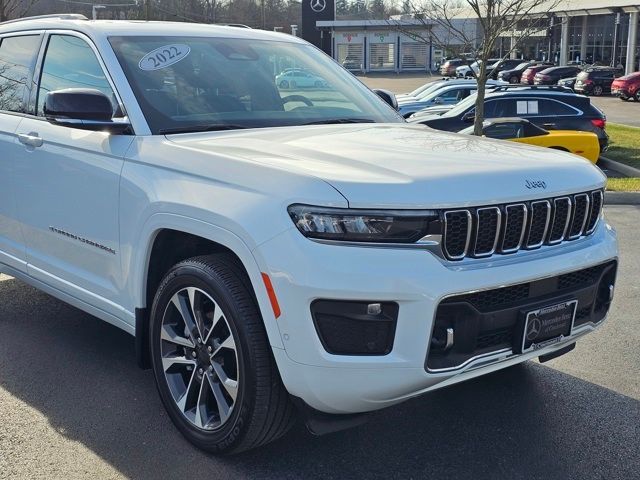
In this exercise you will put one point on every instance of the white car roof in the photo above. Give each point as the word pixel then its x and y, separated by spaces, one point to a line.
pixel 107 28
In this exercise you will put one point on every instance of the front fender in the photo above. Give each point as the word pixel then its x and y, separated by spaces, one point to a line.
pixel 157 222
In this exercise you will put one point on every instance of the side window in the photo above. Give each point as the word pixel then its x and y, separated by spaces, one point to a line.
pixel 17 57
pixel 70 63
pixel 505 108
pixel 490 108
pixel 504 131
pixel 553 107
pixel 451 94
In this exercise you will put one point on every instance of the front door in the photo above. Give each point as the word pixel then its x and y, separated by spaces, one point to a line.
pixel 69 184
pixel 17 59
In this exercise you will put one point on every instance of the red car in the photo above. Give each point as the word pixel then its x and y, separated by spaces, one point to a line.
pixel 530 73
pixel 627 87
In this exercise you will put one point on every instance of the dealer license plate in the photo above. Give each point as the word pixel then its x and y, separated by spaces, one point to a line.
pixel 547 325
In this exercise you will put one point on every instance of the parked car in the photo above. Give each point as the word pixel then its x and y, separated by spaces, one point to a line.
pixel 447 95
pixel 448 68
pixel 232 237
pixel 627 87
pixel 529 74
pixel 569 83
pixel 551 75
pixel 298 78
pixel 514 75
pixel 464 71
pixel 494 69
pixel 442 94
pixel 352 62
pixel 428 88
pixel 521 130
pixel 552 108
pixel 596 80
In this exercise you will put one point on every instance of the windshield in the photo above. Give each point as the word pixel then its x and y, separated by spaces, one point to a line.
pixel 432 88
pixel 419 90
pixel 522 66
pixel 204 83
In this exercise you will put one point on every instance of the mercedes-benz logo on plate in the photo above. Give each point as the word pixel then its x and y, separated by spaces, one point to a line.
pixel 318 5
pixel 533 328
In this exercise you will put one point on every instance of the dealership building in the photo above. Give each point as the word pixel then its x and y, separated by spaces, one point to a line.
pixel 591 31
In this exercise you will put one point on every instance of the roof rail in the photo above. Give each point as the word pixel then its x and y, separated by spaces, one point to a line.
pixel 60 16
pixel 560 88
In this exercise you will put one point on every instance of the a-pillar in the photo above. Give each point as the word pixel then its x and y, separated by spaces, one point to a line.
pixel 632 42
pixel 564 42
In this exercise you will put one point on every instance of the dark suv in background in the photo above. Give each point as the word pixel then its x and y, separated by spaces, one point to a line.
pixel 552 108
pixel 448 68
pixel 514 75
pixel 550 76
pixel 596 80
pixel 496 68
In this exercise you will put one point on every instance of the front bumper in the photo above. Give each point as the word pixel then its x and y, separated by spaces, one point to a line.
pixel 303 271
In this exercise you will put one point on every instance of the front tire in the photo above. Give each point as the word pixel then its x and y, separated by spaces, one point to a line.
pixel 211 358
pixel 514 79
pixel 637 96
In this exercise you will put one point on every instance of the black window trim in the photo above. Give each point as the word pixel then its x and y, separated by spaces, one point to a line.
pixel 29 83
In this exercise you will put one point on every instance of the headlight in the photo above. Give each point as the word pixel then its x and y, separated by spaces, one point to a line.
pixel 354 225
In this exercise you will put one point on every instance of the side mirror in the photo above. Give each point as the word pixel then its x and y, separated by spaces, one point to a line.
pixel 83 108
pixel 469 116
pixel 388 97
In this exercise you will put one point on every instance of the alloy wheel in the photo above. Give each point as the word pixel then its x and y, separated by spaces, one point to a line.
pixel 199 358
pixel 597 90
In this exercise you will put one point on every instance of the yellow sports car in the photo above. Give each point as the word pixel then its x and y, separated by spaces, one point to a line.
pixel 521 130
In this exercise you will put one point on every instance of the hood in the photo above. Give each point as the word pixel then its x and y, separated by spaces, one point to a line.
pixel 402 165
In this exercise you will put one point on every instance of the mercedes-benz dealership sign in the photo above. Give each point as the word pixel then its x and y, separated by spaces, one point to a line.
pixel 313 11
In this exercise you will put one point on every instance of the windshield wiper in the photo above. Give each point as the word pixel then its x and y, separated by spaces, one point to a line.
pixel 202 128
pixel 340 120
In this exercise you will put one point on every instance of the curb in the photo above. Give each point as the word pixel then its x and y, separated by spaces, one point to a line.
pixel 621 198
pixel 607 163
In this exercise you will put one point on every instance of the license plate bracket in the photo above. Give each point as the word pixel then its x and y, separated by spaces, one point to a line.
pixel 544 326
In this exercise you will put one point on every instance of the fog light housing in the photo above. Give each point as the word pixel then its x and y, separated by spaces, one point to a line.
pixel 355 327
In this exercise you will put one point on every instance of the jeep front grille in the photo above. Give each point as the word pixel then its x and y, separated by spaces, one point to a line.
pixel 502 229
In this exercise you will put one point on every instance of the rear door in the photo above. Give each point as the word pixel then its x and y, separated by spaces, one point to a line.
pixel 17 59
pixel 69 181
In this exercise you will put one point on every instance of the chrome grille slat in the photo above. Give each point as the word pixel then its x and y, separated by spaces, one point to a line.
pixel 594 211
pixel 484 247
pixel 560 222
pixel 546 205
pixel 452 221
pixel 579 217
pixel 509 221
pixel 481 232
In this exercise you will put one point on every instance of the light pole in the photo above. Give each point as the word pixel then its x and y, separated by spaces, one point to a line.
pixel 94 10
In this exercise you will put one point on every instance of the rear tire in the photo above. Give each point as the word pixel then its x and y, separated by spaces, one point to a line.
pixel 597 91
pixel 514 79
pixel 211 359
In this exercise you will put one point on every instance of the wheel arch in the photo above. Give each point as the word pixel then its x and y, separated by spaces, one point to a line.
pixel 170 239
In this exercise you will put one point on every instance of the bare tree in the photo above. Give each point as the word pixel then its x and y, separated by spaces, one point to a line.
pixel 455 21
pixel 15 8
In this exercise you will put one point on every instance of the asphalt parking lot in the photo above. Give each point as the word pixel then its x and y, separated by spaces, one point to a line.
pixel 617 111
pixel 73 404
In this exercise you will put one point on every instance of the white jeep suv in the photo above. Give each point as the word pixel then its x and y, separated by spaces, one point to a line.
pixel 278 248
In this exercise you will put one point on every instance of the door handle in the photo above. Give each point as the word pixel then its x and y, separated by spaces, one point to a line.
pixel 548 125
pixel 30 140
